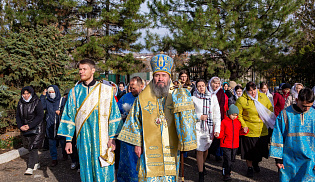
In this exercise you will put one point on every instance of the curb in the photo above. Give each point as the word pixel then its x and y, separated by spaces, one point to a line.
pixel 13 154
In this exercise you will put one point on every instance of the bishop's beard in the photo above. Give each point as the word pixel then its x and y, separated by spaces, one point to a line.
pixel 160 91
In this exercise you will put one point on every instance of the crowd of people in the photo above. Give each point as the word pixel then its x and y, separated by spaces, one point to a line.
pixel 136 132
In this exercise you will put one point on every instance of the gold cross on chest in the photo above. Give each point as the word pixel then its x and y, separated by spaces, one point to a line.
pixel 150 107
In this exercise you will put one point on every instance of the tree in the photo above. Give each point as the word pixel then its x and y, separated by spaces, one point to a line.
pixel 109 28
pixel 97 29
pixel 237 35
pixel 35 57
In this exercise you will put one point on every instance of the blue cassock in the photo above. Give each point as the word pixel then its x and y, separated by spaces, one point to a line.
pixel 88 140
pixel 127 171
pixel 293 141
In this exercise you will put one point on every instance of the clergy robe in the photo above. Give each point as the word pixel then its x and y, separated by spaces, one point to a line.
pixel 93 113
pixel 293 140
pixel 161 140
pixel 127 170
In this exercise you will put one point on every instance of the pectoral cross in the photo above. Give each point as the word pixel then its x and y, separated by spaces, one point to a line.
pixel 150 107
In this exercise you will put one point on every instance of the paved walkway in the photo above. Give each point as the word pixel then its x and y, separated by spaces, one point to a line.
pixel 14 170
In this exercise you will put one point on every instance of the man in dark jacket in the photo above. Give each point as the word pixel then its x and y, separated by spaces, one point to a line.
pixel 53 103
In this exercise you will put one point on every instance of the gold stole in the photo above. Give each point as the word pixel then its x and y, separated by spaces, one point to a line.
pixel 99 98
pixel 160 148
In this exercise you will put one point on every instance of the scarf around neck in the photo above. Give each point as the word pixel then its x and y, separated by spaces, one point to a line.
pixel 268 117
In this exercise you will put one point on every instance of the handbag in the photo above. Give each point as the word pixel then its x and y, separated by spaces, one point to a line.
pixel 31 132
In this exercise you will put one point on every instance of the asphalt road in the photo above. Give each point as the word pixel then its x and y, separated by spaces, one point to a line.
pixel 14 170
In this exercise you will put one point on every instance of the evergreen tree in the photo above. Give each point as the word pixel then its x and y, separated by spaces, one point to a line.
pixel 107 29
pixel 237 35
pixel 35 57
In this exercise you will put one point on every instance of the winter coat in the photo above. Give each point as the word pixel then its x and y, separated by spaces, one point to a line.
pixel 232 100
pixel 223 102
pixel 31 113
pixel 290 100
pixel 215 111
pixel 248 115
pixel 51 106
pixel 278 102
pixel 230 133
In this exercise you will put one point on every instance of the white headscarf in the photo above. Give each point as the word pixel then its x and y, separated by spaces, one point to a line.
pixel 294 91
pixel 210 88
pixel 268 117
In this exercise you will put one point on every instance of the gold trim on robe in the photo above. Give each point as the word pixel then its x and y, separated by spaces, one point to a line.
pixel 160 147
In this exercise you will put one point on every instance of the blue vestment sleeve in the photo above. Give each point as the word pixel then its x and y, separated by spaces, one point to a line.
pixel 132 129
pixel 120 102
pixel 278 137
pixel 67 123
pixel 115 121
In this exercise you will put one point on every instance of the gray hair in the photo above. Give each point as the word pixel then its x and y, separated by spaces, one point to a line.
pixel 160 91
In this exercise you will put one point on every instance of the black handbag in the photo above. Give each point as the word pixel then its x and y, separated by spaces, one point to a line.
pixel 31 132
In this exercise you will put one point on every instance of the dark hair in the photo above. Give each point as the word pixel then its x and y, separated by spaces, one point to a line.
pixel 188 83
pixel 138 79
pixel 250 85
pixel 201 80
pixel 238 87
pixel 121 83
pixel 90 62
pixel 262 84
pixel 307 95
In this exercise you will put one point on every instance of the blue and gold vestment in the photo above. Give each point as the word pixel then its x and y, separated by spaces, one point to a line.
pixel 127 170
pixel 293 140
pixel 161 140
pixel 93 113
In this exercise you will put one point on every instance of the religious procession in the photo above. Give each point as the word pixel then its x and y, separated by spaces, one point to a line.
pixel 143 131
pixel 157 90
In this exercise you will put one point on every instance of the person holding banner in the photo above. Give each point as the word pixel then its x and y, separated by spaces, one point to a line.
pixel 91 110
pixel 256 116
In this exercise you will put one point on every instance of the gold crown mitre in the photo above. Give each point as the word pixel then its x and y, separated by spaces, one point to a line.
pixel 162 63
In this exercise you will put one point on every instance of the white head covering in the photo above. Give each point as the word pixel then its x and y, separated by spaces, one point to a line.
pixel 294 91
pixel 50 89
pixel 210 88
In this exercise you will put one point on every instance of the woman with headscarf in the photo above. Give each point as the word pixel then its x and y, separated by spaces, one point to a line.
pixel 256 116
pixel 114 89
pixel 294 94
pixel 29 118
pixel 280 97
pixel 226 89
pixel 238 91
pixel 208 124
pixel 53 103
pixel 264 89
pixel 214 88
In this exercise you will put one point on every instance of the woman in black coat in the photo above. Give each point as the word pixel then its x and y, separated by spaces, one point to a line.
pixel 29 118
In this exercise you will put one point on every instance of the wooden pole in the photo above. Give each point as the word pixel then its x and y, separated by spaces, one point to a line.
pixel 182 166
